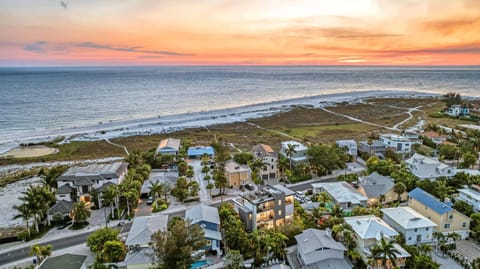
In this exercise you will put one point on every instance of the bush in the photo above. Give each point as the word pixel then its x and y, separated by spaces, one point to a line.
pixel 159 205
pixel 23 236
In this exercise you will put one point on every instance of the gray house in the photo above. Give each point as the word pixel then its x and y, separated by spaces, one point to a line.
pixel 208 219
pixel 379 188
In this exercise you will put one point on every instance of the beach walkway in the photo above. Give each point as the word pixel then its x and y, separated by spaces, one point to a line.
pixel 117 145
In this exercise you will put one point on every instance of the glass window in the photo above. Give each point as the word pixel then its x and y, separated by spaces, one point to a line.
pixel 416 230
pixel 279 202
pixel 450 217
pixel 464 224
pixel 426 229
pixel 447 226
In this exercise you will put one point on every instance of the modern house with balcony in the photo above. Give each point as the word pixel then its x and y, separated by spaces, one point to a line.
pixel 269 158
pixel 413 226
pixel 368 232
pixel 85 179
pixel 267 208
pixel 398 143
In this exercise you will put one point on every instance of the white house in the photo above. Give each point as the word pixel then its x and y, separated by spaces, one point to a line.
pixel 168 146
pixel 349 145
pixel 470 196
pixel 458 110
pixel 429 168
pixel 414 227
pixel 368 231
pixel 399 143
pixel 300 154
pixel 342 194
pixel 269 158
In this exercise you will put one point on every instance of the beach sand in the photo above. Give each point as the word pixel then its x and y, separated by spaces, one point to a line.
pixel 30 151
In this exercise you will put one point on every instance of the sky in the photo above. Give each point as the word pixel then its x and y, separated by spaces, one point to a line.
pixel 239 32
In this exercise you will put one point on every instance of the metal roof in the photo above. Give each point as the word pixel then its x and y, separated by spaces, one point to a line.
pixel 430 201
pixel 407 218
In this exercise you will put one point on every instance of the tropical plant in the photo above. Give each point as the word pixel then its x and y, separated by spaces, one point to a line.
pixel 233 260
pixel 289 151
pixel 399 188
pixel 25 213
pixel 110 197
pixel 387 251
pixel 255 165
pixel 155 190
pixel 80 212
pixel 41 252
pixel 113 251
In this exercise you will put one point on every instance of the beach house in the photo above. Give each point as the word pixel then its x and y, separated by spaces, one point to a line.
pixel 299 153
pixel 413 226
pixel 207 218
pixel 342 194
pixel 199 151
pixel 458 110
pixel 429 168
pixel 266 208
pixel 237 174
pixel 448 220
pixel 170 146
pixel 378 188
pixel 318 249
pixel 398 143
pixel 85 179
pixel 269 158
pixel 372 147
pixel 470 196
pixel 368 231
pixel 350 146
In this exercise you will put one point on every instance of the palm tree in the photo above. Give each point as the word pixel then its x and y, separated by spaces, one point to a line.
pixel 210 187
pixel 155 190
pixel 425 249
pixel 41 252
pixel 189 173
pixel 324 198
pixel 337 211
pixel 387 251
pixel 38 200
pixel 399 188
pixel 110 197
pixel 25 213
pixel 256 165
pixel 289 151
pixel 475 264
pixel 165 190
pixel 282 164
pixel 80 212
pixel 374 256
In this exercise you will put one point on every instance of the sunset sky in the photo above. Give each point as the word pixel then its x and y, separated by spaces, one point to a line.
pixel 239 32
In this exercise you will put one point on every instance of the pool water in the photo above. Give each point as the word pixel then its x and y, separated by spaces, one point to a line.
pixel 199 264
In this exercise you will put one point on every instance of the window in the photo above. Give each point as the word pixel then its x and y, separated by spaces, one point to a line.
pixel 450 217
pixel 279 202
pixel 410 238
pixel 203 225
pixel 447 226
pixel 279 212
pixel 62 195
pixel 416 230
pixel 426 229
pixel 464 224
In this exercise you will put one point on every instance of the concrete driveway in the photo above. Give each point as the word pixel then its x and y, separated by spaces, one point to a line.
pixel 203 193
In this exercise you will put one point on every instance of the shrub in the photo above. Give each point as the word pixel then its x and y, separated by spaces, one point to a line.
pixel 159 205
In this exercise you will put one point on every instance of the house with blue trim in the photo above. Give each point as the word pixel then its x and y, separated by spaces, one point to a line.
pixel 199 151
pixel 208 219
pixel 448 220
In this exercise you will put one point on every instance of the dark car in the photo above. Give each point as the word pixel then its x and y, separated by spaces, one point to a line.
pixel 64 225
pixel 150 200
pixel 249 187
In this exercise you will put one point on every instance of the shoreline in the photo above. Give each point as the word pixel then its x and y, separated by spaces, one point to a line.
pixel 176 122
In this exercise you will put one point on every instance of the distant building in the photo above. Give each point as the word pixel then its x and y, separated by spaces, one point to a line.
pixel 458 110
pixel 470 196
pixel 269 158
pixel 349 145
pixel 208 219
pixel 429 168
pixel 414 227
pixel 448 220
pixel 377 187
pixel 318 249
pixel 268 208
pixel 373 147
pixel 237 174
pixel 398 143
pixel 170 146
pixel 368 231
pixel 342 194
pixel 199 151
pixel 435 137
pixel 300 154
pixel 87 178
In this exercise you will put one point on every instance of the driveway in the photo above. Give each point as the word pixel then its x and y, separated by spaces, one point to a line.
pixel 143 209
pixel 468 248
pixel 445 262
pixel 203 193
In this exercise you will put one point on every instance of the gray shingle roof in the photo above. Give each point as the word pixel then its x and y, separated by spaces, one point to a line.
pixel 376 185
pixel 203 212
pixel 105 186
pixel 143 228
pixel 94 171
pixel 65 189
pixel 61 206
pixel 311 240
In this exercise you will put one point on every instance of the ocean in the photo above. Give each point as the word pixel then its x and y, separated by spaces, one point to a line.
pixel 37 100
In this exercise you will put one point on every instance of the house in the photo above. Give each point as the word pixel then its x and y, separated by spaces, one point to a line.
pixel 300 154
pixel 448 220
pixel 412 136
pixel 368 231
pixel 65 192
pixel 65 261
pixel 62 207
pixel 349 145
pixel 237 174
pixel 372 147
pixel 318 249
pixel 140 254
pixel 208 219
pixel 470 196
pixel 269 158
pixel 458 110
pixel 199 151
pixel 379 188
pixel 267 208
pixel 435 137
pixel 429 168
pixel 85 179
pixel 168 177
pixel 398 143
pixel 342 194
pixel 170 146
pixel 414 227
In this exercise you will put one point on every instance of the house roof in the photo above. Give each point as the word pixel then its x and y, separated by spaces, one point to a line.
pixel 283 189
pixel 65 189
pixel 376 185
pixel 94 171
pixel 407 218
pixel 342 192
pixel 262 150
pixel 298 146
pixel 211 234
pixel 200 150
pixel 105 186
pixel 142 256
pixel 470 192
pixel 395 137
pixel 169 143
pixel 203 212
pixel 375 144
pixel 430 201
pixel 330 264
pixel 234 167
pixel 311 240
pixel 61 206
pixel 417 161
pixel 143 228
pixel 370 227
pixel 65 261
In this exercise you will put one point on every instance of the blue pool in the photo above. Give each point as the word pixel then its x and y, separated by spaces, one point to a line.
pixel 199 264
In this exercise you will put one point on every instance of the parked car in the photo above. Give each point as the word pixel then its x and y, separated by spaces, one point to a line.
pixel 150 200
pixel 249 187
pixel 64 225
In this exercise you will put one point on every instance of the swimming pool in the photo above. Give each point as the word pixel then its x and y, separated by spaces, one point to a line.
pixel 200 263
